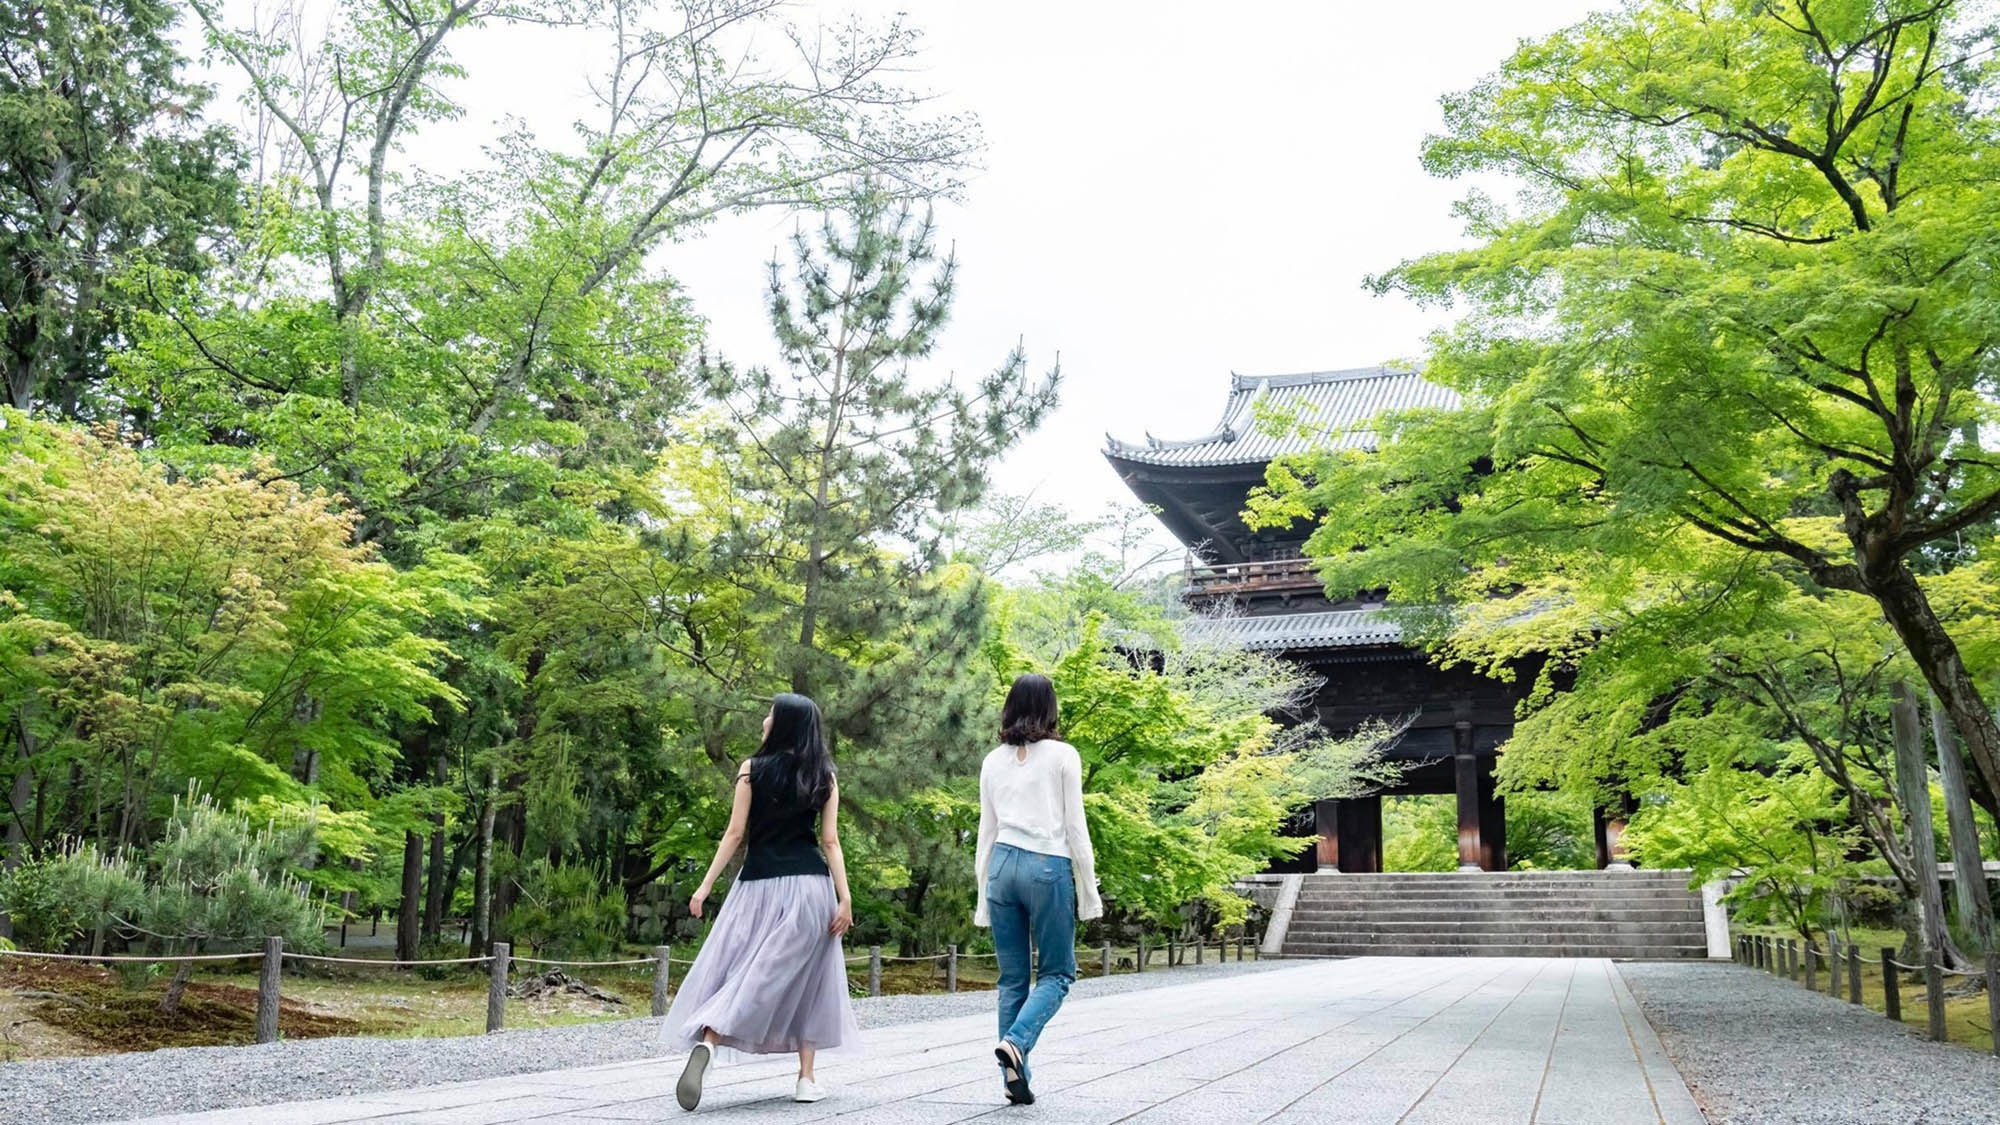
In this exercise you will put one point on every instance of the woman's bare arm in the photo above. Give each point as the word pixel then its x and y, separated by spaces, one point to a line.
pixel 732 839
pixel 836 862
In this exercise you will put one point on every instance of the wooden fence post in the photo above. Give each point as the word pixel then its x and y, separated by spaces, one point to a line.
pixel 951 968
pixel 1853 973
pixel 874 970
pixel 1832 965
pixel 1107 959
pixel 1934 994
pixel 663 967
pixel 1892 995
pixel 1993 995
pixel 1199 945
pixel 496 988
pixel 1239 949
pixel 1791 959
pixel 1812 967
pixel 267 989
pixel 1139 957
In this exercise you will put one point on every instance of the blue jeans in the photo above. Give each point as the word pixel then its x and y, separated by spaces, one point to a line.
pixel 1031 896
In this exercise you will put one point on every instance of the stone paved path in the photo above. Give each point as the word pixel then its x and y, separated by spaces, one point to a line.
pixel 1406 1040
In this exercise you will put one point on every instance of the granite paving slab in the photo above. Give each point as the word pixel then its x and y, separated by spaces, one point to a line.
pixel 1530 1040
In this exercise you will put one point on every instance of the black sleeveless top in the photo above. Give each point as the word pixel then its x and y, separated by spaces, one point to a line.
pixel 781 835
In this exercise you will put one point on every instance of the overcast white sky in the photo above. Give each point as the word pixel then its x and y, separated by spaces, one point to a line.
pixel 1171 192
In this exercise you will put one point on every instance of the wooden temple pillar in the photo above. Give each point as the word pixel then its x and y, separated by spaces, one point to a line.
pixel 1492 821
pixel 1350 834
pixel 1465 781
pixel 1482 815
pixel 1609 828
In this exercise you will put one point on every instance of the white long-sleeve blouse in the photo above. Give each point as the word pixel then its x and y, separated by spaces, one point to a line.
pixel 1032 798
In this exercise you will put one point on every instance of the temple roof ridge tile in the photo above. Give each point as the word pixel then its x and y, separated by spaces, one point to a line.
pixel 1338 404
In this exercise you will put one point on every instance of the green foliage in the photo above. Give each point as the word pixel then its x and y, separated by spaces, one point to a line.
pixel 419 522
pixel 216 875
pixel 1724 366
pixel 1781 831
pixel 49 903
pixel 566 910
pixel 439 949
pixel 1421 833
pixel 1545 832
pixel 219 627
pixel 1549 832
pixel 848 450
pixel 1744 298
pixel 104 160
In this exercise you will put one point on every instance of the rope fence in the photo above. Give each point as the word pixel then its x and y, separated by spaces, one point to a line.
pixel 1785 958
pixel 273 956
pixel 107 957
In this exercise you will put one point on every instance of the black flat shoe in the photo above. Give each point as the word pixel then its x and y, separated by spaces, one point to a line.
pixel 1018 1092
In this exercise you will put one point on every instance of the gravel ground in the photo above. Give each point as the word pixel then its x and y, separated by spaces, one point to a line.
pixel 1759 1051
pixel 181 1080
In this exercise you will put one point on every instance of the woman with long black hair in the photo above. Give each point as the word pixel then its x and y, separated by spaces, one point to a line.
pixel 771 979
pixel 1036 873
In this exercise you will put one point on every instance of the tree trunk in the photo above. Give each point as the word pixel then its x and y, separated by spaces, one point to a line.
pixel 1909 612
pixel 512 829
pixel 454 869
pixel 918 890
pixel 510 835
pixel 482 871
pixel 1968 881
pixel 410 913
pixel 171 1002
pixel 21 795
pixel 1913 794
pixel 434 902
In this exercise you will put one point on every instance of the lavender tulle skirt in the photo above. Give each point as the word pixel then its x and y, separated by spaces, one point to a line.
pixel 769 979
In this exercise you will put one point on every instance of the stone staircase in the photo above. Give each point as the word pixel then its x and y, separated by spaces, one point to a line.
pixel 1632 914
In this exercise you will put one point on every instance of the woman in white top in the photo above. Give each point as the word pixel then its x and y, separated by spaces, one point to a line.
pixel 1035 870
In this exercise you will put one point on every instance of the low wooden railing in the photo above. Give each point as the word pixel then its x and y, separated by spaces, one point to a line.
pixel 1787 960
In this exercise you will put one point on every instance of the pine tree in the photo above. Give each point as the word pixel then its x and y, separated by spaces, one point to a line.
pixel 849 458
pixel 104 160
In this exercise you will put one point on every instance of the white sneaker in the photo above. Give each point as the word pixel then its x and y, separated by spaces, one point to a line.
pixel 809 1091
pixel 688 1090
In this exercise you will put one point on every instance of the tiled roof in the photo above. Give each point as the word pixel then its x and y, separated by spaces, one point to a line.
pixel 1335 628
pixel 1333 407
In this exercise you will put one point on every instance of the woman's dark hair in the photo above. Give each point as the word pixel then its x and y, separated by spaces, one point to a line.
pixel 1029 715
pixel 793 759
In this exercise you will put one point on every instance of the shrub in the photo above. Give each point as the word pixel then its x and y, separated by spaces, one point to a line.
pixel 439 949
pixel 216 877
pixel 48 903
pixel 568 910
